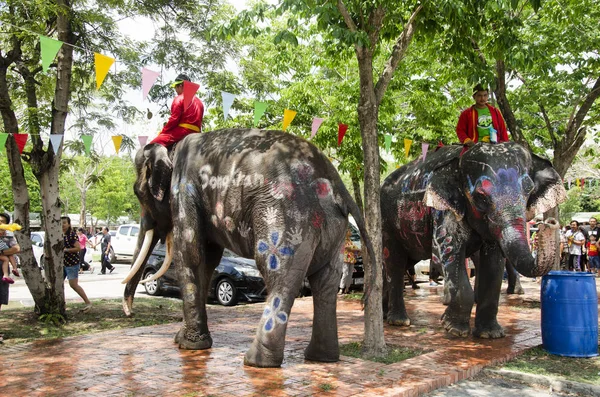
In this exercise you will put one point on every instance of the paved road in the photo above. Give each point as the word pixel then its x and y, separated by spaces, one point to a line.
pixel 95 285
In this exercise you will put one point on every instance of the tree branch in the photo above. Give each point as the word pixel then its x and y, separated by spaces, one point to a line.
pixel 346 15
pixel 575 123
pixel 398 52
pixel 548 124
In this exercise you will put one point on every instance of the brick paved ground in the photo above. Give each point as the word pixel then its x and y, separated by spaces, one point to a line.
pixel 145 361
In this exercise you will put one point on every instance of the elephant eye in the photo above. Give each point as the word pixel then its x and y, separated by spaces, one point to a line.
pixel 481 200
pixel 527 184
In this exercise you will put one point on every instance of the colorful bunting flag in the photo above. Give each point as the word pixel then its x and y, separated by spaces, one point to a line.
pixel 103 64
pixel 87 143
pixel 148 79
pixel 582 183
pixel 48 48
pixel 117 140
pixel 569 180
pixel 55 140
pixel 21 140
pixel 342 128
pixel 227 102
pixel 577 182
pixel 259 110
pixel 424 148
pixel 3 141
pixel 407 144
pixel 388 142
pixel 189 90
pixel 143 139
pixel 288 116
pixel 315 126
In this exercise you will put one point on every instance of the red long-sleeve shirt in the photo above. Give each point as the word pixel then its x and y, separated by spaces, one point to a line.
pixel 467 125
pixel 173 131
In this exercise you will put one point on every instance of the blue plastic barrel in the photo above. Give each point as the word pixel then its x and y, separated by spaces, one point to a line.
pixel 570 314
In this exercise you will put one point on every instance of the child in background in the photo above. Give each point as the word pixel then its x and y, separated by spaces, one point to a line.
pixel 593 259
pixel 6 260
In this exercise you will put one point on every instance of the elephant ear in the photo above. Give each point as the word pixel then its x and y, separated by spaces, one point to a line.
pixel 548 190
pixel 444 192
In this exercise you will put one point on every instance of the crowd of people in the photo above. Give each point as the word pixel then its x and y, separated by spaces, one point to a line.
pixel 579 247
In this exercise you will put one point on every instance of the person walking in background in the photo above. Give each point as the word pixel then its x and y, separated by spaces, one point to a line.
pixel 575 240
pixel 71 261
pixel 350 252
pixel 105 254
pixel 83 240
pixel 481 122
pixel 564 248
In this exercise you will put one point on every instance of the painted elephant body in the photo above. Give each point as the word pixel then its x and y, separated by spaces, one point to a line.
pixel 450 206
pixel 265 195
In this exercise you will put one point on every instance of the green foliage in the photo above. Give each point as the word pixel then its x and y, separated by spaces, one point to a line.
pixel 6 199
pixel 394 354
pixel 570 206
pixel 54 319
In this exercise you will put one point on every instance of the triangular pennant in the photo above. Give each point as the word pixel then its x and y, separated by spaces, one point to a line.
pixel 407 144
pixel 21 140
pixel 227 102
pixel 288 116
pixel 3 141
pixel 342 128
pixel 388 142
pixel 582 183
pixel 117 140
pixel 577 182
pixel 424 148
pixel 103 64
pixel 48 48
pixel 569 180
pixel 315 126
pixel 148 79
pixel 143 139
pixel 189 90
pixel 259 110
pixel 87 142
pixel 55 140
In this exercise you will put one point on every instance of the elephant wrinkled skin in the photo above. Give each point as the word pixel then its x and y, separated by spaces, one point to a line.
pixel 265 195
pixel 450 206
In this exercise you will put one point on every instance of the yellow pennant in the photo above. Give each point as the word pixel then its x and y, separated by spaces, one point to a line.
pixel 103 64
pixel 407 144
pixel 117 140
pixel 288 116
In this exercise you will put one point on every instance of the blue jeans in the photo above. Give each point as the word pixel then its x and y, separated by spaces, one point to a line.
pixel 71 272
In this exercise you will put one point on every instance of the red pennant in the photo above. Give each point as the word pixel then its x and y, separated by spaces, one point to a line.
pixel 21 140
pixel 342 128
pixel 189 90
pixel 440 144
pixel 582 183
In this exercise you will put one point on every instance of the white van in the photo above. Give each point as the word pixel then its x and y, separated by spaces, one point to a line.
pixel 125 240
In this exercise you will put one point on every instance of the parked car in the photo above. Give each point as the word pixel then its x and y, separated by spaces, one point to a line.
pixel 125 240
pixel 235 278
pixel 37 245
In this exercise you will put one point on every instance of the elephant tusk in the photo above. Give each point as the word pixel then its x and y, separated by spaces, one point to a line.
pixel 166 263
pixel 141 256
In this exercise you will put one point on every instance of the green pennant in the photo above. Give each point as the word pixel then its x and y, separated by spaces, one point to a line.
pixel 259 110
pixel 87 142
pixel 388 142
pixel 3 141
pixel 49 48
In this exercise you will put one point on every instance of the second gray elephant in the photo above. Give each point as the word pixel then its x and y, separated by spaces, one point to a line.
pixel 266 195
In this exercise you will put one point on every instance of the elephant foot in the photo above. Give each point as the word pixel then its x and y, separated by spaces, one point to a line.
pixel 518 290
pixel 325 355
pixel 455 327
pixel 491 331
pixel 193 340
pixel 262 357
pixel 397 319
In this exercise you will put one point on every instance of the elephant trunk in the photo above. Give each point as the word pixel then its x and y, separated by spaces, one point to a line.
pixel 517 251
pixel 147 239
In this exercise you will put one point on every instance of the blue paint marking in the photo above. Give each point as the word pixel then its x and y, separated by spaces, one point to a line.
pixel 274 252
pixel 274 314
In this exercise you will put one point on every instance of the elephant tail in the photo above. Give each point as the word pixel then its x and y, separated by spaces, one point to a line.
pixel 360 223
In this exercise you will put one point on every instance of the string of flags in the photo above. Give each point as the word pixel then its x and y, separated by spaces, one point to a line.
pixel 581 182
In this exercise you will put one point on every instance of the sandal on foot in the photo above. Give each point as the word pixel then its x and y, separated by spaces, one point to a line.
pixel 8 280
pixel 16 273
pixel 86 308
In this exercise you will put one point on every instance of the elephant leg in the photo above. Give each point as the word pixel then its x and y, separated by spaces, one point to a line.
pixel 489 285
pixel 394 259
pixel 514 280
pixel 448 250
pixel 323 344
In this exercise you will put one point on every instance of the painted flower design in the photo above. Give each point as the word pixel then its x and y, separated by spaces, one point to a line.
pixel 274 251
pixel 274 314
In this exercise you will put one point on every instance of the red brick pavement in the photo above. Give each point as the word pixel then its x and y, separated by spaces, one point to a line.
pixel 145 361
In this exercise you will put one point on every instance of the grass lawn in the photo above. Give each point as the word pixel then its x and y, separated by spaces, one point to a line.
pixel 20 325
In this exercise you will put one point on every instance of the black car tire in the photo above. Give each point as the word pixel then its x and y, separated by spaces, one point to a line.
pixel 226 292
pixel 154 287
pixel 111 255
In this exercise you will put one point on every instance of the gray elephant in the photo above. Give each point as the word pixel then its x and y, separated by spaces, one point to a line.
pixel 265 195
pixel 450 206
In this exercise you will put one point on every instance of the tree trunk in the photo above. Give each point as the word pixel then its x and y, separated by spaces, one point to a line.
pixel 356 188
pixel 374 343
pixel 504 105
